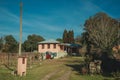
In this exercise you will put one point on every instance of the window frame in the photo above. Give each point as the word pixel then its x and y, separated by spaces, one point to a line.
pixel 43 46
pixel 48 46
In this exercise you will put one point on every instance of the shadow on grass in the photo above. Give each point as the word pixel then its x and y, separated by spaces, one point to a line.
pixel 109 65
pixel 78 67
pixel 8 67
pixel 75 62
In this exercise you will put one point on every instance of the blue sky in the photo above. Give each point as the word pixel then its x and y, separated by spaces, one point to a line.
pixel 49 18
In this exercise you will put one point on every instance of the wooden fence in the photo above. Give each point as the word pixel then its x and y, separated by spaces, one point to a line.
pixel 10 59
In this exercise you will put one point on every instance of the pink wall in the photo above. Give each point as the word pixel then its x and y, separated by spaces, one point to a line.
pixel 51 49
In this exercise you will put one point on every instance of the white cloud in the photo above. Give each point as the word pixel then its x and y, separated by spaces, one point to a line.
pixel 40 22
pixel 90 7
pixel 7 15
pixel 8 22
pixel 46 24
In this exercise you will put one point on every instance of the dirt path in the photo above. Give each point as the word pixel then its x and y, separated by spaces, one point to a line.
pixel 48 76
pixel 65 76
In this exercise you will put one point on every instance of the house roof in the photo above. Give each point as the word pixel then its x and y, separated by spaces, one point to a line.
pixel 54 41
pixel 48 41
pixel 71 45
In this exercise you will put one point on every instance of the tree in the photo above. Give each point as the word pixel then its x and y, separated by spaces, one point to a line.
pixel 78 39
pixel 103 31
pixel 1 43
pixel 31 43
pixel 84 38
pixel 59 39
pixel 10 45
pixel 68 36
pixel 65 37
pixel 72 36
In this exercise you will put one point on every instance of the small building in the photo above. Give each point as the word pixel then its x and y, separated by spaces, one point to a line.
pixel 50 46
pixel 56 47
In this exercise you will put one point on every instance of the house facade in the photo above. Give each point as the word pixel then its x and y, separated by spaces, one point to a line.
pixel 57 47
pixel 50 46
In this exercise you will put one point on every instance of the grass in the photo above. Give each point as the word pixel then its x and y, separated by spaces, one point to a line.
pixel 49 66
pixel 77 76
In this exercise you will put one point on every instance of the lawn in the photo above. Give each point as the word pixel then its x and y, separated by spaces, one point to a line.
pixel 57 69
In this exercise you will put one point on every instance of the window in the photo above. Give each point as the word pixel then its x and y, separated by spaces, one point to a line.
pixel 42 46
pixel 54 45
pixel 61 47
pixel 48 46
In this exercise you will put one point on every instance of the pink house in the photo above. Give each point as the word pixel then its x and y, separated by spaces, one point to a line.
pixel 50 46
pixel 62 49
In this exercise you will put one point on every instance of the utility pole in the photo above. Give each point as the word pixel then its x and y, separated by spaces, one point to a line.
pixel 20 42
pixel 22 61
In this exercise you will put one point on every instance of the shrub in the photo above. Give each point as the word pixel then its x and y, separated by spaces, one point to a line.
pixel 116 74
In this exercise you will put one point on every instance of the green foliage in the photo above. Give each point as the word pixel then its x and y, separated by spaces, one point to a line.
pixel 59 39
pixel 85 41
pixel 1 43
pixel 65 38
pixel 71 36
pixel 68 36
pixel 88 59
pixel 103 31
pixel 10 45
pixel 78 39
pixel 85 38
pixel 31 43
pixel 116 74
pixel 118 51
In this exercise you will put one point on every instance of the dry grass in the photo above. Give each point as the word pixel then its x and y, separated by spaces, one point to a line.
pixel 53 69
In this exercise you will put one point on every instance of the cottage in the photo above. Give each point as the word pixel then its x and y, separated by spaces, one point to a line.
pixel 61 49
pixel 50 46
pixel 53 47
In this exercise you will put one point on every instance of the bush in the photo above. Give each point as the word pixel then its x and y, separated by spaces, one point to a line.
pixel 116 75
pixel 84 70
